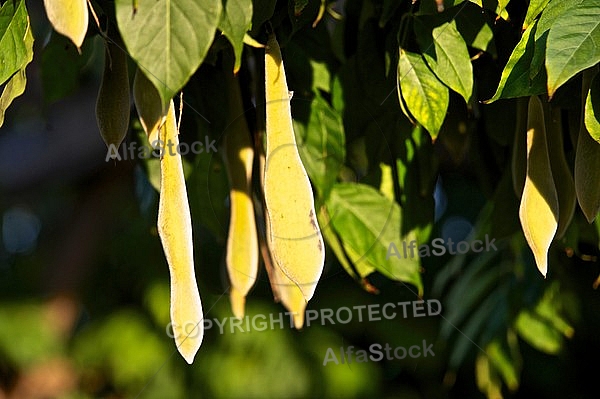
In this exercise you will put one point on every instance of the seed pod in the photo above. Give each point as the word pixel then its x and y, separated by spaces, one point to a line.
pixel 284 289
pixel 538 211
pixel 294 238
pixel 563 178
pixel 289 293
pixel 587 162
pixel 175 231
pixel 519 149
pixel 148 104
pixel 113 103
pixel 242 240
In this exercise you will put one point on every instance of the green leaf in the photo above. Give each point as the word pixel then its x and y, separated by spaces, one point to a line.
pixel 545 327
pixel 425 96
pixel 515 80
pixel 321 144
pixel 538 332
pixel 534 9
pixel 335 245
pixel 488 380
pixel 506 359
pixel 14 24
pixel 168 39
pixel 16 84
pixel 13 89
pixel 573 43
pixel 367 223
pixel 592 109
pixel 235 21
pixel 553 10
pixel 448 57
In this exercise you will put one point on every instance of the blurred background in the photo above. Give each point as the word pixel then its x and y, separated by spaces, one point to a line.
pixel 84 285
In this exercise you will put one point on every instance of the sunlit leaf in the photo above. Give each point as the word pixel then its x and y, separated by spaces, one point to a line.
pixel 16 84
pixel 515 80
pixel 573 43
pixel 168 39
pixel 446 54
pixel 14 24
pixel 425 96
pixel 367 223
pixel 592 109
pixel 533 10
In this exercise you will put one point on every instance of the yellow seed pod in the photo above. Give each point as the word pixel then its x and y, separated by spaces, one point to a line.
pixel 284 289
pixel 538 211
pixel 294 238
pixel 563 178
pixel 113 103
pixel 242 239
pixel 587 162
pixel 148 104
pixel 287 291
pixel 69 18
pixel 175 231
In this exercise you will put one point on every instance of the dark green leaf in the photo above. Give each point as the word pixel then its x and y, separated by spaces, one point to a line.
pixel 61 66
pixel 515 80
pixel 235 22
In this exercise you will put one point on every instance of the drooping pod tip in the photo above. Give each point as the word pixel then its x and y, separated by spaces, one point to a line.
pixel 188 342
pixel 238 303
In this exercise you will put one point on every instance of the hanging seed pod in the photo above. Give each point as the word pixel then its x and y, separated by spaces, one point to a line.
pixel 587 162
pixel 113 103
pixel 563 178
pixel 294 237
pixel 148 104
pixel 538 211
pixel 242 239
pixel 175 231
pixel 518 163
